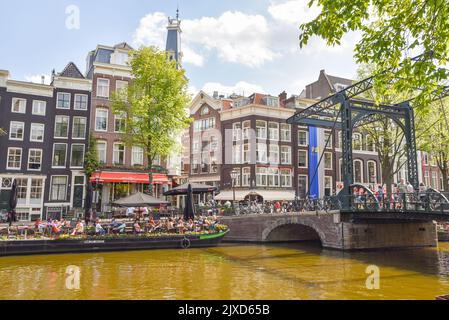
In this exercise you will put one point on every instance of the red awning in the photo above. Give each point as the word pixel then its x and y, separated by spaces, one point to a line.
pixel 129 177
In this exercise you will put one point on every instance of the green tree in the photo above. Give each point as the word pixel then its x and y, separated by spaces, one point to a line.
pixel 153 104
pixel 434 138
pixel 391 30
pixel 385 135
pixel 91 162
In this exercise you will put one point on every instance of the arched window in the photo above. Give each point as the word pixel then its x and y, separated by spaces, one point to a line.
pixel 358 171
pixel 205 111
pixel 370 145
pixel 372 172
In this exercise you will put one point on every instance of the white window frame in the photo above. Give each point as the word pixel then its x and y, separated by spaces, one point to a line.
pixel 106 96
pixel 246 127
pixel 68 126
pixel 289 155
pixel 237 154
pixel 107 119
pixel 71 155
pixel 246 175
pixel 41 125
pixel 119 117
pixel 22 124
pixel 289 132
pixel 354 140
pixel 375 170
pixel 73 128
pixel 263 132
pixel 262 174
pixel 307 182
pixel 105 143
pixel 51 188
pixel 307 138
pixel 331 142
pixel 290 178
pixel 273 130
pixel 35 108
pixel 113 153
pixel 40 163
pixel 272 160
pixel 331 161
pixel 361 171
pixel 258 152
pixel 237 131
pixel 307 159
pixel 24 105
pixel 87 101
pixel 7 159
pixel 133 159
pixel 57 100
pixel 126 83
pixel 53 156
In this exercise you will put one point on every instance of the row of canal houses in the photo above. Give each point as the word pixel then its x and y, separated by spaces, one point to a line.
pixel 47 136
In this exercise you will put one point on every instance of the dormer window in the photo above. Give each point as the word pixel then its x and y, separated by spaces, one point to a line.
pixel 242 102
pixel 271 101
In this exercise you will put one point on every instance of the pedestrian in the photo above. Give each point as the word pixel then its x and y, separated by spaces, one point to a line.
pixel 278 207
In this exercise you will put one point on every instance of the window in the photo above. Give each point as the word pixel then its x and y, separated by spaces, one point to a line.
pixel 246 153
pixel 101 151
pixel 261 129
pixel 204 124
pixel 63 100
pixel 261 176
pixel 119 123
pixel 286 134
pixel 137 156
pixel 302 158
pixel 62 126
pixel 77 158
pixel 302 186
pixel 22 186
pixel 81 102
pixel 434 180
pixel 237 181
pixel 18 105
pixel 35 159
pixel 101 120
pixel 205 111
pixel 327 186
pixel 36 190
pixel 14 158
pixel 358 171
pixel 213 144
pixel 328 135
pixel 273 131
pixel 286 178
pixel 370 144
pixel 37 132
pixel 272 101
pixel 16 130
pixel 39 108
pixel 103 88
pixel 273 177
pixel 120 86
pixel 340 163
pixel 357 141
pixel 196 146
pixel 286 155
pixel 246 176
pixel 237 154
pixel 79 128
pixel 246 129
pixel 302 138
pixel 328 161
pixel 426 178
pixel 236 131
pixel 58 190
pixel 261 153
pixel 274 154
pixel 119 154
pixel 372 172
pixel 59 154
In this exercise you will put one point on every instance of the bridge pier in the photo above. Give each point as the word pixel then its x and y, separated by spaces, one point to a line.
pixel 334 231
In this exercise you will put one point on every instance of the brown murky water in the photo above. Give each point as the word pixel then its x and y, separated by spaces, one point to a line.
pixel 293 271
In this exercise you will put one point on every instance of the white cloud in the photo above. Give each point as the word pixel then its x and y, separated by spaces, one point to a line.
pixel 152 30
pixel 235 36
pixel 241 87
pixel 37 78
pixel 293 12
pixel 190 56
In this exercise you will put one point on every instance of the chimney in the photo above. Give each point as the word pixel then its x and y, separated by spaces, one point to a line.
pixel 215 95
pixel 43 79
pixel 282 98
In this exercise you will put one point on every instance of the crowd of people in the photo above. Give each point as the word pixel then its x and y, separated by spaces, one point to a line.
pixel 55 228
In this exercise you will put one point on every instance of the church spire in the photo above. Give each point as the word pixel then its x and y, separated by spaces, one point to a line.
pixel 174 39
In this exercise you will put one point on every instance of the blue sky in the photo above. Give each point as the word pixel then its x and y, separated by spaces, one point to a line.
pixel 228 46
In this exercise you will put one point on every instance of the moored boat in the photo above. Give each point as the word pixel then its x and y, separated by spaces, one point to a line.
pixel 109 243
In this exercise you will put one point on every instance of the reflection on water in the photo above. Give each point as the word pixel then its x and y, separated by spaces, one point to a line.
pixel 291 271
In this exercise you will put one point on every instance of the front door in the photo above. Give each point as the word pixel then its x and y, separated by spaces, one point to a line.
pixel 78 192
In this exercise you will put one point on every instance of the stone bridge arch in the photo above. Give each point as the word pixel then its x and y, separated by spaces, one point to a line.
pixel 294 229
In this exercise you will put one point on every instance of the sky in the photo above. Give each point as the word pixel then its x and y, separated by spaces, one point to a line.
pixel 229 46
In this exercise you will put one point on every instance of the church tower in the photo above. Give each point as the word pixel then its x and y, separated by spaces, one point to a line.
pixel 174 39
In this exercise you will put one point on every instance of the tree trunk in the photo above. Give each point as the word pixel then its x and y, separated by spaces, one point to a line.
pixel 444 174
pixel 150 174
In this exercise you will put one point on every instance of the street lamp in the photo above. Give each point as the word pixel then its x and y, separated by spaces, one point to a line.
pixel 234 175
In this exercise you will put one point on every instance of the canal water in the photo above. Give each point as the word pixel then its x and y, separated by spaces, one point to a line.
pixel 286 271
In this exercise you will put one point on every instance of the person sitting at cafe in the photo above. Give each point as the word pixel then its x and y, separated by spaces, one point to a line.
pixel 79 229
pixel 136 227
pixel 99 228
pixel 118 226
